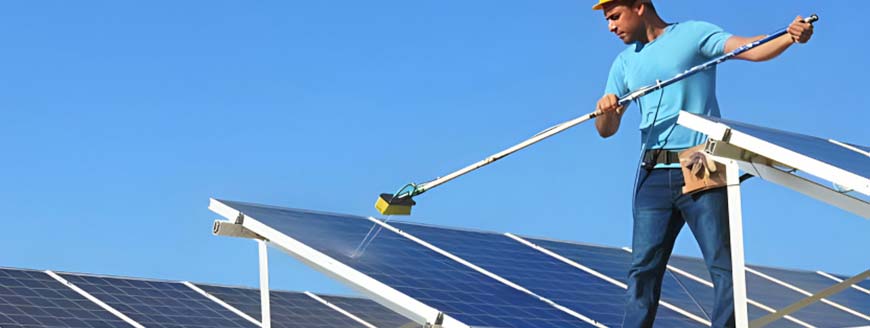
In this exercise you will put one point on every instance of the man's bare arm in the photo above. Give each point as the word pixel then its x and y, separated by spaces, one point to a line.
pixel 608 122
pixel 798 32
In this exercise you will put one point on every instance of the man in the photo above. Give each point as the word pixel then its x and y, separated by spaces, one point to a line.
pixel 657 51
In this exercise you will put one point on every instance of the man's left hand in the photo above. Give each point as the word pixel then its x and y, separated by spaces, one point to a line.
pixel 800 31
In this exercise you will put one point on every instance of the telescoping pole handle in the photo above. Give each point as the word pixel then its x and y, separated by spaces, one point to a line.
pixel 421 188
pixel 412 190
pixel 624 100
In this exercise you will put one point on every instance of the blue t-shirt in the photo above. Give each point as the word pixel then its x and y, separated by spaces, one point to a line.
pixel 680 47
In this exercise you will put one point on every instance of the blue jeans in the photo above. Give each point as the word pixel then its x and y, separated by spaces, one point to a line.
pixel 660 211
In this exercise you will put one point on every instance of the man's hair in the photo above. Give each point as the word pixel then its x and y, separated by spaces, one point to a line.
pixel 647 3
pixel 650 5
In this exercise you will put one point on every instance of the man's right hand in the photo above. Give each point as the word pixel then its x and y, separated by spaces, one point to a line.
pixel 607 123
pixel 609 104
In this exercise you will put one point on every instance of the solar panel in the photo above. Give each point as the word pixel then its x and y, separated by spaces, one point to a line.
pixel 814 147
pixel 813 282
pixel 778 297
pixel 288 309
pixel 541 273
pixel 34 299
pixel 862 286
pixel 615 263
pixel 416 271
pixel 845 165
pixel 703 294
pixel 158 303
pixel 429 264
pixel 688 294
pixel 371 312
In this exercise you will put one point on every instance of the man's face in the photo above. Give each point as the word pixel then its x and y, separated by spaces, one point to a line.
pixel 624 20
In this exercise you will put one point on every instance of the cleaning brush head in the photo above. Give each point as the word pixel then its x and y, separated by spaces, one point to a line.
pixel 388 204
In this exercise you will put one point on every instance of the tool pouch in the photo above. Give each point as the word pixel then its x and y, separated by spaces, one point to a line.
pixel 700 172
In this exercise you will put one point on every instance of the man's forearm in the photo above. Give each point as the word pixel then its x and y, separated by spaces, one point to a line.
pixel 800 31
pixel 762 52
pixel 607 124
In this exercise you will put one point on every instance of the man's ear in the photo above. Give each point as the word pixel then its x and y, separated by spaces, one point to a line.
pixel 640 7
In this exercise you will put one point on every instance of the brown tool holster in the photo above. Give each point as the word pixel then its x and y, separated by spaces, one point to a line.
pixel 700 172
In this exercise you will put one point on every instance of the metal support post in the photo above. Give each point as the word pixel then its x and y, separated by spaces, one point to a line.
pixel 735 225
pixel 265 308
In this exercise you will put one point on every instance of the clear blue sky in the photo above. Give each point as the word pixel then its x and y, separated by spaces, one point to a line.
pixel 121 118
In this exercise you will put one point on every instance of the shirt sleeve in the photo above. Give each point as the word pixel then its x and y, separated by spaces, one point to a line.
pixel 712 39
pixel 616 79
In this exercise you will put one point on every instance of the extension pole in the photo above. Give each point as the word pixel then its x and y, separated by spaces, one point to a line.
pixel 423 187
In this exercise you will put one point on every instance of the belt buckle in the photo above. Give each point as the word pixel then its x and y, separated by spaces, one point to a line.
pixel 650 159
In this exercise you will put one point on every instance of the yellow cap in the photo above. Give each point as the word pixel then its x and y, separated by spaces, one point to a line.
pixel 601 3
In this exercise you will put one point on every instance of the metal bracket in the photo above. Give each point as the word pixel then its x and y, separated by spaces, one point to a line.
pixel 726 150
pixel 229 229
pixel 439 320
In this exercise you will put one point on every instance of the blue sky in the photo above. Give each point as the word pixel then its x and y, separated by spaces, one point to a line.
pixel 122 118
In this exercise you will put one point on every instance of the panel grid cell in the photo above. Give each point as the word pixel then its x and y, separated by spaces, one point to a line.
pixel 158 303
pixel 288 309
pixel 34 299
pixel 864 284
pixel 371 312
